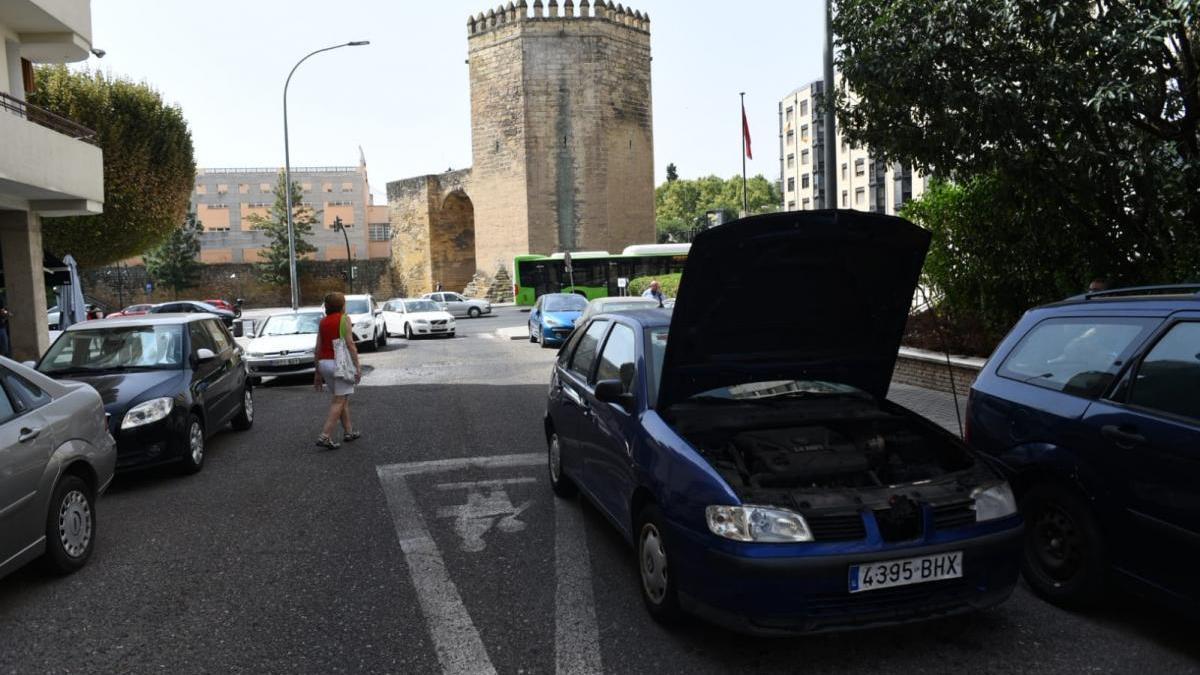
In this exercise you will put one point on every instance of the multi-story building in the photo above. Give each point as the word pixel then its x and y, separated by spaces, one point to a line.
pixel 863 183
pixel 49 166
pixel 225 198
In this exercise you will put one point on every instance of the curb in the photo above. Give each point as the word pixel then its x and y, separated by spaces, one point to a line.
pixel 513 333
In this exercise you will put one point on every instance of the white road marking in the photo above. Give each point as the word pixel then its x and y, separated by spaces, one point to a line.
pixel 485 483
pixel 482 512
pixel 436 465
pixel 576 637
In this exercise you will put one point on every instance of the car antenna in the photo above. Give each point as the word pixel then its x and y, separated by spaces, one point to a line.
pixel 945 351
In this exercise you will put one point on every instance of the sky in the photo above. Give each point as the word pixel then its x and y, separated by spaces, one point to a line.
pixel 405 97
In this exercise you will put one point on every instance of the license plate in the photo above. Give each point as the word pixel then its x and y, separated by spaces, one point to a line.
pixel 906 571
pixel 290 362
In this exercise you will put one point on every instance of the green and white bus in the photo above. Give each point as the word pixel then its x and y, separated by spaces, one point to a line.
pixel 595 272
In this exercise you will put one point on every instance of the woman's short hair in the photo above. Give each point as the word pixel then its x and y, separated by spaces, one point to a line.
pixel 334 302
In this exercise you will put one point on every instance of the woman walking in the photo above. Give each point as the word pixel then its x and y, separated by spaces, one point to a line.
pixel 336 325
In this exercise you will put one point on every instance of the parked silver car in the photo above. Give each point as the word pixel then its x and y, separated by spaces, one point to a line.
pixel 56 459
pixel 460 305
pixel 614 304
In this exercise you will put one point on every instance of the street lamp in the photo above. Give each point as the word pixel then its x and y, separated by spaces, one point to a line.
pixel 339 227
pixel 287 171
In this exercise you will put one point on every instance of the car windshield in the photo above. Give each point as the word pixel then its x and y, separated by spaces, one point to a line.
pixel 420 306
pixel 564 303
pixel 291 324
pixel 780 389
pixel 357 307
pixel 115 348
pixel 658 349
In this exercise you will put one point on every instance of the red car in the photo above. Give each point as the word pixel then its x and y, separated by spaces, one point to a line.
pixel 132 310
pixel 221 304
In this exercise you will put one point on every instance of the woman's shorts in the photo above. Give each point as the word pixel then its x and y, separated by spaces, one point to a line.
pixel 337 385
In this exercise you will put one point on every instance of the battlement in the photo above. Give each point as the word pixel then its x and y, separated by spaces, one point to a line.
pixel 610 12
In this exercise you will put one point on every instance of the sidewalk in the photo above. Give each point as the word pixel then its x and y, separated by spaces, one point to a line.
pixel 936 405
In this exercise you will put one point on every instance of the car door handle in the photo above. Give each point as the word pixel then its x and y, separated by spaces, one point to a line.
pixel 28 434
pixel 1122 437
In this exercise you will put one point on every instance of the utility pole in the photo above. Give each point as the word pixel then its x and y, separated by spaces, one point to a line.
pixel 339 227
pixel 831 201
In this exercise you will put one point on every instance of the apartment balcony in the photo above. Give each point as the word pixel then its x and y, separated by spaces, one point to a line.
pixel 50 165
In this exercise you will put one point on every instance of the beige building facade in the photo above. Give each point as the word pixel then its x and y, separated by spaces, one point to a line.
pixel 863 183
pixel 49 166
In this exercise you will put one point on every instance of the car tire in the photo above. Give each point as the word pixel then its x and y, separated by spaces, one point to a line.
pixel 1063 555
pixel 194 450
pixel 542 339
pixel 450 335
pixel 372 344
pixel 254 381
pixel 381 341
pixel 653 565
pixel 532 335
pixel 408 334
pixel 560 483
pixel 70 526
pixel 474 312
pixel 245 417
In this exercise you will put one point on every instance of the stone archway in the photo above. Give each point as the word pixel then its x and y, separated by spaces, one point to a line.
pixel 452 242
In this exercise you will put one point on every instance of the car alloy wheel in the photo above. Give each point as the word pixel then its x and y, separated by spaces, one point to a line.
pixel 75 523
pixel 559 483
pixel 248 404
pixel 196 442
pixel 653 558
pixel 408 334
pixel 1063 556
pixel 474 312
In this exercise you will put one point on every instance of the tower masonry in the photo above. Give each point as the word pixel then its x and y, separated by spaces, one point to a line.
pixel 561 132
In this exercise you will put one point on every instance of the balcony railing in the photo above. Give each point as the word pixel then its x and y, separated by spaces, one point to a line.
pixel 45 118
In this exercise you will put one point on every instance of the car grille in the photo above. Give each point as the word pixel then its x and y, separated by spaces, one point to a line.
pixel 901 521
pixel 840 527
pixel 439 322
pixel 844 609
pixel 954 514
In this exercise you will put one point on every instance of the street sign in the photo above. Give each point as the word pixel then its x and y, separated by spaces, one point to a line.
pixel 622 282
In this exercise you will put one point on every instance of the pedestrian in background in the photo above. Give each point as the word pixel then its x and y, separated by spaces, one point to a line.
pixel 336 326
pixel 654 293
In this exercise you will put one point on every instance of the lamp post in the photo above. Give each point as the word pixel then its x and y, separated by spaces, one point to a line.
pixel 287 171
pixel 339 227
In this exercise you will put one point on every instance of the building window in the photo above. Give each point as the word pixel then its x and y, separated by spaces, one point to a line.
pixel 307 187
pixel 791 160
pixel 243 189
pixel 860 166
pixel 265 188
pixel 326 187
pixel 791 137
pixel 804 181
pixel 218 206
pixel 804 133
pixel 222 189
pixel 201 189
pixel 804 156
pixel 347 187
pixel 859 195
pixel 380 231
pixel 843 170
pixel 789 114
pixel 791 184
pixel 804 204
pixel 845 198
pixel 339 203
pixel 791 206
pixel 804 108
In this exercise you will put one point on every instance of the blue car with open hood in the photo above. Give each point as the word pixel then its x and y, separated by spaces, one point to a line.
pixel 751 457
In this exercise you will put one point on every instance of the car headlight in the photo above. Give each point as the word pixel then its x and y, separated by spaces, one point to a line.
pixel 148 412
pixel 993 501
pixel 422 320
pixel 757 523
pixel 551 321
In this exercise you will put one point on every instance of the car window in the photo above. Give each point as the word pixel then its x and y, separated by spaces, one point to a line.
pixel 585 352
pixel 114 347
pixel 1169 378
pixel 568 348
pixel 217 332
pixel 618 352
pixel 654 357
pixel 25 395
pixel 7 410
pixel 1078 356
pixel 200 338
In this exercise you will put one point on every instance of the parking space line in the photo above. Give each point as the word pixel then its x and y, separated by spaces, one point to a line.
pixel 576 637
pixel 435 465
pixel 485 483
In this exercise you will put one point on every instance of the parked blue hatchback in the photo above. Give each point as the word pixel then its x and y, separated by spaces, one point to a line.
pixel 553 317
pixel 1092 406
pixel 753 460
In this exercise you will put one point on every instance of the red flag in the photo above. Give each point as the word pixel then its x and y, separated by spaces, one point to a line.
pixel 746 133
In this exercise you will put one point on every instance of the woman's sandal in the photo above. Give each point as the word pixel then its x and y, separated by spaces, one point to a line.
pixel 352 436
pixel 326 442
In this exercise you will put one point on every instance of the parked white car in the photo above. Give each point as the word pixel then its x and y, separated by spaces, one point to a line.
pixel 411 317
pixel 460 305
pixel 366 324
pixel 283 343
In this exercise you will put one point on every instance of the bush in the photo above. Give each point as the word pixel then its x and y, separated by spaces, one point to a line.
pixel 669 284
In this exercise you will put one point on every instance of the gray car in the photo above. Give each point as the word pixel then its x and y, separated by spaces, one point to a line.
pixel 56 459
pixel 614 304
pixel 459 305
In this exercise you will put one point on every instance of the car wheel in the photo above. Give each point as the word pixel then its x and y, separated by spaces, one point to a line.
pixel 408 332
pixel 245 417
pixel 450 334
pixel 654 571
pixel 372 344
pixel 560 483
pixel 193 454
pixel 532 335
pixel 1063 558
pixel 70 526
pixel 542 338
pixel 474 312
pixel 255 381
pixel 381 341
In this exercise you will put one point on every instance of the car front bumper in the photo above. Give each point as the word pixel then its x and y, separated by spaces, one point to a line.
pixel 556 335
pixel 445 328
pixel 809 594
pixel 273 367
pixel 150 444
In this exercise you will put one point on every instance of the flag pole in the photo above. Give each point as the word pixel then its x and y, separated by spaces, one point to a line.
pixel 745 197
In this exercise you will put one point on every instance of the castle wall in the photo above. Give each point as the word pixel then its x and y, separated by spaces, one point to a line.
pixel 433 230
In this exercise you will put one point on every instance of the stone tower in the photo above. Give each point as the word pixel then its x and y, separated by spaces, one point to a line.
pixel 562 143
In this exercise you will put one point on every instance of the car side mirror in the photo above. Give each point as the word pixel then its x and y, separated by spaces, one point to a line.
pixel 29 364
pixel 611 391
pixel 204 355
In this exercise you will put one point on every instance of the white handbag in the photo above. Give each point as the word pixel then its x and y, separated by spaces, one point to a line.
pixel 344 365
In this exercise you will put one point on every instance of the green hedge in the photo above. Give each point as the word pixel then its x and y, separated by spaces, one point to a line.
pixel 669 284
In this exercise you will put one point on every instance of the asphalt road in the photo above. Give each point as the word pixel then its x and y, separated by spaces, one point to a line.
pixel 434 544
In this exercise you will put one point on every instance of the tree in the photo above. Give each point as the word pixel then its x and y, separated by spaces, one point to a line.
pixel 274 268
pixel 672 173
pixel 174 263
pixel 681 206
pixel 1087 114
pixel 149 168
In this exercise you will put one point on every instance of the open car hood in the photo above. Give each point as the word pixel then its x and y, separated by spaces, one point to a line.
pixel 807 295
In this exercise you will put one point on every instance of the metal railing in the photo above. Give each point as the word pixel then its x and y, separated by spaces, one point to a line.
pixel 275 170
pixel 45 118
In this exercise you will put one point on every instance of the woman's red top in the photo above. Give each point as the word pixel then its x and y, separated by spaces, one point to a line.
pixel 327 332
